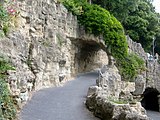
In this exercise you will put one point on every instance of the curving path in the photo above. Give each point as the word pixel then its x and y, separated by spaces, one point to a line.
pixel 61 103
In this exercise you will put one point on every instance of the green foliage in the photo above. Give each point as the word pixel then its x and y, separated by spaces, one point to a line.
pixel 8 13
pixel 73 6
pixel 4 65
pixel 7 107
pixel 3 14
pixel 138 17
pixel 5 28
pixel 4 18
pixel 117 101
pixel 130 66
pixel 99 21
pixel 119 8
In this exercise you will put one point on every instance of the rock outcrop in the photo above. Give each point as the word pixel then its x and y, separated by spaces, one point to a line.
pixel 111 99
pixel 47 47
pixel 150 78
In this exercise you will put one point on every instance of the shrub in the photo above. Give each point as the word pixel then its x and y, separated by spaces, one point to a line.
pixel 130 66
pixel 7 107
pixel 4 16
pixel 7 14
pixel 72 6
pixel 99 21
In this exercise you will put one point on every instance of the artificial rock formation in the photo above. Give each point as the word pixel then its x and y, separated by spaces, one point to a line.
pixel 47 47
pixel 111 99
pixel 151 76
pixel 148 79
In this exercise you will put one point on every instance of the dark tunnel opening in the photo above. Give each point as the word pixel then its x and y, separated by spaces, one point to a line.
pixel 86 56
pixel 150 99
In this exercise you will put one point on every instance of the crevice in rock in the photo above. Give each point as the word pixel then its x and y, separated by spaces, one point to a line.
pixel 29 63
pixel 150 99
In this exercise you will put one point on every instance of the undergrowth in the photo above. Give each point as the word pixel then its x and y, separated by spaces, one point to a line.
pixel 7 106
pixel 8 13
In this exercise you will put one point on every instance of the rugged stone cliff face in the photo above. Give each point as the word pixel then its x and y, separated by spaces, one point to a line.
pixel 151 75
pixel 147 83
pixel 47 47
pixel 113 99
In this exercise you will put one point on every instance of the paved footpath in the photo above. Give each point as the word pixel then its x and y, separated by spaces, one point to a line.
pixel 61 103
pixel 153 115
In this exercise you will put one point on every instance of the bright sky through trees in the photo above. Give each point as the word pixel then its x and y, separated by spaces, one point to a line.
pixel 156 3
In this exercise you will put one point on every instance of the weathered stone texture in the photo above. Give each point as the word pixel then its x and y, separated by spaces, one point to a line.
pixel 136 48
pixel 110 81
pixel 150 78
pixel 140 85
pixel 47 48
pixel 112 98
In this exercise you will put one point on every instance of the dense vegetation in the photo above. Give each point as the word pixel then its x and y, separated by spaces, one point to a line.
pixel 7 107
pixel 99 21
pixel 139 19
pixel 7 15
pixel 131 66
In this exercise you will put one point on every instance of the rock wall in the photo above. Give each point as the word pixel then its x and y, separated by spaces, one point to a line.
pixel 111 99
pixel 136 48
pixel 47 47
pixel 151 76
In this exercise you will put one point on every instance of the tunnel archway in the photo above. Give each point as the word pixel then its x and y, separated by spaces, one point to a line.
pixel 150 99
pixel 87 53
pixel 89 56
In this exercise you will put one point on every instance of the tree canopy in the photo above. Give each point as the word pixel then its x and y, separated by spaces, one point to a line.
pixel 138 17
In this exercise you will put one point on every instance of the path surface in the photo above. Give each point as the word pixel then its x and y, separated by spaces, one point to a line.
pixel 61 103
pixel 153 115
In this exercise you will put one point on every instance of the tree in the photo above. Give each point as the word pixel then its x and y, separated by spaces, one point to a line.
pixel 138 17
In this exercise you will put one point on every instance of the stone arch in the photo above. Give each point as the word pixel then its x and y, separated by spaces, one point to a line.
pixel 150 99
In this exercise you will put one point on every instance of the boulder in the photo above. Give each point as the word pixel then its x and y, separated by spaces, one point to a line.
pixel 111 99
pixel 108 109
pixel 140 85
pixel 110 81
